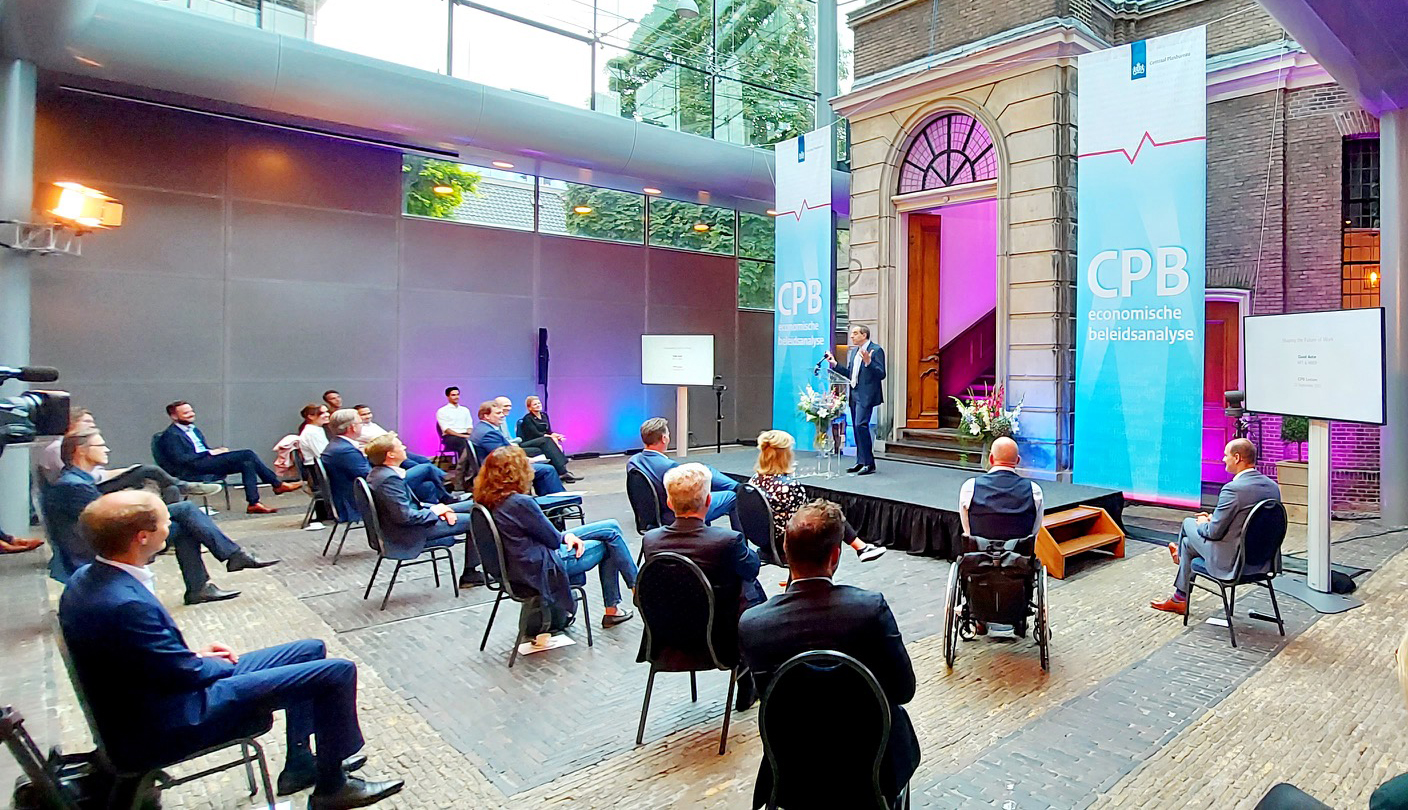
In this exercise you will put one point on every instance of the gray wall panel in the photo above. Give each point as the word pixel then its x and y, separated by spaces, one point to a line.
pixel 693 280
pixel 264 412
pixel 111 327
pixel 162 232
pixel 128 413
pixel 467 334
pixel 755 344
pixel 593 337
pixel 581 269
pixel 453 256
pixel 307 244
pixel 601 414
pixel 754 406
pixel 301 332
pixel 290 167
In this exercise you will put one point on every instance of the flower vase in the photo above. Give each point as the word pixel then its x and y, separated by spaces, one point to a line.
pixel 824 450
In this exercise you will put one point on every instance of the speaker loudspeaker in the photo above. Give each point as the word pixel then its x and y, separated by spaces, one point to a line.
pixel 542 356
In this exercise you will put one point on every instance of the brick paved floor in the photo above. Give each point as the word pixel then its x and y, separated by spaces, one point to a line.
pixel 1137 711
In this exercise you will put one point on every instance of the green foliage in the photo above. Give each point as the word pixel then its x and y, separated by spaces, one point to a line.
pixel 616 215
pixel 421 175
pixel 756 282
pixel 1296 430
pixel 672 225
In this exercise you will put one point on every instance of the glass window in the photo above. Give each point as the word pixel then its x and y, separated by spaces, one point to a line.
pixel 597 213
pixel 409 32
pixel 244 12
pixel 511 55
pixel 755 284
pixel 755 236
pixel 845 45
pixel 772 44
pixel 652 27
pixel 568 15
pixel 753 116
pixel 689 226
pixel 447 190
pixel 654 91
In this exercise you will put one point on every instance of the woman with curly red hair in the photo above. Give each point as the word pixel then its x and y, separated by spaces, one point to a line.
pixel 541 558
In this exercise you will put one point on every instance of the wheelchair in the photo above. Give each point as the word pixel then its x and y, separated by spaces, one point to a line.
pixel 997 582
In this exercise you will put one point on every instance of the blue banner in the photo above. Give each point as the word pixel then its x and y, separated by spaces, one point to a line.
pixel 804 303
pixel 1141 259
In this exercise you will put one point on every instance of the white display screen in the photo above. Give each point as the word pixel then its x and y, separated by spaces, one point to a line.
pixel 677 359
pixel 1324 365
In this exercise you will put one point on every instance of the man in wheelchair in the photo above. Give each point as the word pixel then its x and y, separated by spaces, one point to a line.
pixel 1000 506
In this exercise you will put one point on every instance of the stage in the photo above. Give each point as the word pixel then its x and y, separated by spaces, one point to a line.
pixel 907 505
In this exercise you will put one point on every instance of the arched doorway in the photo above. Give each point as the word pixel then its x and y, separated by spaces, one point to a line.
pixel 947 196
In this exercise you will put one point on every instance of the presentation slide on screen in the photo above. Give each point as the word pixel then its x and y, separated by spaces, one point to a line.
pixel 1324 365
pixel 677 359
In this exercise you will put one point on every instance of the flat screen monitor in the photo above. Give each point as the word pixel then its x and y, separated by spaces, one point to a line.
pixel 677 359
pixel 1322 365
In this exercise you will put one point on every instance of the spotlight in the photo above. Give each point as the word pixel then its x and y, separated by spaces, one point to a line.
pixel 85 209
pixel 1373 278
pixel 650 190
pixel 701 227
pixel 502 164
pixel 443 190
pixel 582 209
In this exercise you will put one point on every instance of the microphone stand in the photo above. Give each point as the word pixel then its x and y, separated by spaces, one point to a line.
pixel 719 389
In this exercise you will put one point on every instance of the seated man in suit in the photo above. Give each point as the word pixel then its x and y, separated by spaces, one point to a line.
pixel 490 434
pixel 543 446
pixel 408 524
pixel 185 448
pixel 344 463
pixel 368 429
pixel 64 502
pixel 817 614
pixel 49 465
pixel 1217 538
pixel 726 559
pixel 155 700
pixel 655 435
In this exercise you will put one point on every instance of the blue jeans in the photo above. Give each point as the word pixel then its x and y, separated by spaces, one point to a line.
pixel 427 482
pixel 604 548
pixel 546 480
pixel 412 459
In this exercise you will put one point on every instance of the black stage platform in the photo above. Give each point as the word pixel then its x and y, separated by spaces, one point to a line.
pixel 906 505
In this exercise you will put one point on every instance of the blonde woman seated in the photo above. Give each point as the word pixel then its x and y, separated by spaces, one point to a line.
pixel 776 463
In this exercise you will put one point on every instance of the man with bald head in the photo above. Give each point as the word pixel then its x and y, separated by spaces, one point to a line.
pixel 1001 504
pixel 1216 539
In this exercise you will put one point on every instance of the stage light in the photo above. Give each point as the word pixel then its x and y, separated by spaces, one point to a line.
pixel 443 190
pixel 86 209
pixel 771 212
pixel 582 209
pixel 701 227
pixel 649 190
pixel 502 164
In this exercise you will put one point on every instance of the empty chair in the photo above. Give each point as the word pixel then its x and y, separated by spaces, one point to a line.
pixel 1258 563
pixel 755 513
pixel 677 607
pixel 362 493
pixel 323 491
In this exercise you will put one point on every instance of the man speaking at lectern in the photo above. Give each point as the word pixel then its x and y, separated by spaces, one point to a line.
pixel 865 367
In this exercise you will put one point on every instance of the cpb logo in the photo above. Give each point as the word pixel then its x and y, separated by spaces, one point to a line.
pixel 791 295
pixel 1138 60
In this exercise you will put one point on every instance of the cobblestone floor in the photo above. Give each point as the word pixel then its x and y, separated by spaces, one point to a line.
pixel 1137 711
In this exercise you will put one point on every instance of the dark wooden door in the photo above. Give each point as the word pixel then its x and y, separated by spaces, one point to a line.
pixel 922 408
pixel 1221 373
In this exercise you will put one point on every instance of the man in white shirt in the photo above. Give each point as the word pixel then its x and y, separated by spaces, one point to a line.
pixel 368 429
pixel 454 421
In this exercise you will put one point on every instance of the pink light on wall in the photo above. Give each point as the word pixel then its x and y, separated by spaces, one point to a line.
pixel 967 265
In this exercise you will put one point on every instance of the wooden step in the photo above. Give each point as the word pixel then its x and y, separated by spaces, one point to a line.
pixel 1074 531
pixel 1070 516
pixel 1087 542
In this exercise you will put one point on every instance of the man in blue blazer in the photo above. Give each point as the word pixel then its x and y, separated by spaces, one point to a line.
pixel 489 435
pixel 156 701
pixel 344 463
pixel 655 435
pixel 82 452
pixel 865 368
pixel 408 524
pixel 187 455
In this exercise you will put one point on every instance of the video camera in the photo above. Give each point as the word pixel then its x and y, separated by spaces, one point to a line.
pixel 33 414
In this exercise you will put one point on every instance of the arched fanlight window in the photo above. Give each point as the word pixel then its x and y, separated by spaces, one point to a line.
pixel 950 150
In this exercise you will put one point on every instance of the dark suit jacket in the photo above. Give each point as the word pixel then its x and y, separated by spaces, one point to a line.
pixel 146 687
pixel 817 615
pixel 405 521
pixel 726 560
pixel 868 392
pixel 344 464
pixel 530 550
pixel 530 428
pixel 62 502
pixel 486 438
pixel 180 452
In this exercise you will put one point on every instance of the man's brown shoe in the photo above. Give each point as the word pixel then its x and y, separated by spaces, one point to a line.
pixel 1173 552
pixel 260 509
pixel 291 486
pixel 1179 606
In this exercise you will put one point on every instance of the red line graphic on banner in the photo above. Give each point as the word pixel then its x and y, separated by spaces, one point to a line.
pixel 1149 139
pixel 805 207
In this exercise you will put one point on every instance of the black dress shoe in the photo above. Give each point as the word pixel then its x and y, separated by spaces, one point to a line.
pixel 867 470
pixel 857 468
pixel 304 774
pixel 469 579
pixel 569 478
pixel 209 592
pixel 244 559
pixel 357 792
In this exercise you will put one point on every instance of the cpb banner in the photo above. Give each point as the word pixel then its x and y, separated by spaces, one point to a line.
pixel 1141 267
pixel 804 303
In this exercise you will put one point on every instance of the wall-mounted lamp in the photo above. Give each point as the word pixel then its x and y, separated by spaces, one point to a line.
pixel 84 209
pixel 443 191
pixel 701 227
pixel 582 209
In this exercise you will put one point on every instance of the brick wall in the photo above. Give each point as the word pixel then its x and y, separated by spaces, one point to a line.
pixel 1248 25
pixel 1354 460
pixel 1313 156
pixel 918 29
pixel 1245 150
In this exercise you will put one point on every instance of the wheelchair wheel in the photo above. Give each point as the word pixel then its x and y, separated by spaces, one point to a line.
pixel 951 616
pixel 1042 625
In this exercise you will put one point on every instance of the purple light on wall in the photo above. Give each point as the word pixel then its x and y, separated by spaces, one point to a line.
pixel 950 150
pixel 967 265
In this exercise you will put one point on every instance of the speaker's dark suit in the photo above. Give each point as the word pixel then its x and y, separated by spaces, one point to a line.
pixel 155 701
pixel 866 396
pixel 814 614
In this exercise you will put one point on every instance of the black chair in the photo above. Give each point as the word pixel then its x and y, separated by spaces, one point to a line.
pixel 645 501
pixel 1258 563
pixel 322 491
pixel 558 513
pixel 362 493
pixel 306 475
pixel 677 608
pixel 165 463
pixel 447 458
pixel 485 535
pixel 132 787
pixel 793 731
pixel 755 513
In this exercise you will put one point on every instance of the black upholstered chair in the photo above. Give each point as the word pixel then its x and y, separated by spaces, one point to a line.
pixel 362 493
pixel 322 490
pixel 755 513
pixel 1258 563
pixel 645 501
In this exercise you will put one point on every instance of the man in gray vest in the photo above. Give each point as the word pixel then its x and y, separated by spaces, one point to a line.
pixel 1217 538
pixel 1001 504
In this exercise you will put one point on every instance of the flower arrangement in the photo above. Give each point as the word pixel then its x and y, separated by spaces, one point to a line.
pixel 822 407
pixel 984 418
